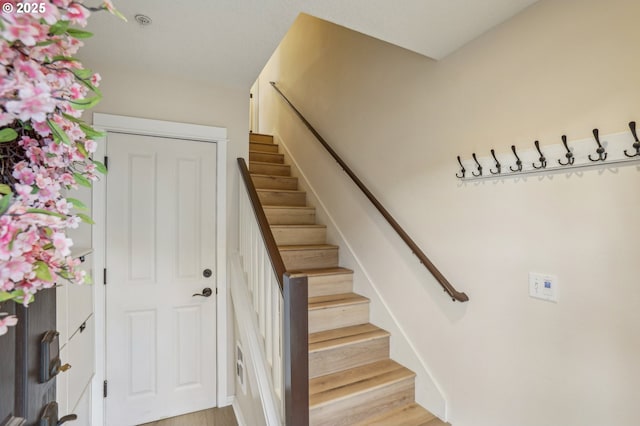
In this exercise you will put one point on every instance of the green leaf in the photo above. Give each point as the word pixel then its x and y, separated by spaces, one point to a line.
pixel 81 180
pixel 82 73
pixel 86 219
pixel 59 28
pixel 63 58
pixel 72 118
pixel 77 203
pixel 90 132
pixel 76 33
pixel 88 279
pixel 45 43
pixel 8 135
pixel 59 135
pixel 4 296
pixel 82 149
pixel 82 104
pixel 5 189
pixel 46 212
pixel 100 167
pixel 42 271
pixel 5 203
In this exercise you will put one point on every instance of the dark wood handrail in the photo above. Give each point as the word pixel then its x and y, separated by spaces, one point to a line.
pixel 446 285
pixel 295 328
pixel 265 229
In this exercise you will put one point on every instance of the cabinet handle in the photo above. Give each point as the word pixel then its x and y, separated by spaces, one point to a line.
pixel 67 418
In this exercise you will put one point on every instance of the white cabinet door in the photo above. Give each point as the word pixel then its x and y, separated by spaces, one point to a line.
pixel 81 356
pixel 80 298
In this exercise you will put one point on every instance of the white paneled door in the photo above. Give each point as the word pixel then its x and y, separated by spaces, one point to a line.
pixel 160 257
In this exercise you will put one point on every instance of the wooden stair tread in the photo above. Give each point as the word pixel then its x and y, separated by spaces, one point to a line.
pixel 272 176
pixel 334 300
pixel 299 226
pixel 322 271
pixel 407 415
pixel 260 137
pixel 343 336
pixel 348 383
pixel 290 207
pixel 288 191
pixel 308 247
pixel 266 163
pixel 264 143
pixel 267 157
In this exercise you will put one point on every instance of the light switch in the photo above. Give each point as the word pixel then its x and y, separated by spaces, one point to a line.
pixel 543 286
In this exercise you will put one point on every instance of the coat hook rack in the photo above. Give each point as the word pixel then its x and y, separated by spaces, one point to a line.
pixel 462 169
pixel 518 161
pixel 602 154
pixel 636 145
pixel 498 165
pixel 622 148
pixel 542 159
pixel 478 166
pixel 568 155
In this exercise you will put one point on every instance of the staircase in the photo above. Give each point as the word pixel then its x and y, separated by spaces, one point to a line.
pixel 352 381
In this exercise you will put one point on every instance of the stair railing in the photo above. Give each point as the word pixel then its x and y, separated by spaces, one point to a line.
pixel 446 285
pixel 280 303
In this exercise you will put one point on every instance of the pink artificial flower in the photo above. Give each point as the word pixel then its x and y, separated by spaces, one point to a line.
pixel 90 146
pixel 34 102
pixel 77 14
pixel 15 269
pixel 95 79
pixel 23 29
pixel 24 174
pixel 7 322
pixel 62 244
pixel 41 127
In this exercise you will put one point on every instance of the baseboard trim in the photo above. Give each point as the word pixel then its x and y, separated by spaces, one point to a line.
pixel 238 412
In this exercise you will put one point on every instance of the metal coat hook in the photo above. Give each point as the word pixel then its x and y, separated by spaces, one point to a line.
pixel 518 162
pixel 462 169
pixel 498 165
pixel 636 145
pixel 569 154
pixel 543 160
pixel 478 166
pixel 602 154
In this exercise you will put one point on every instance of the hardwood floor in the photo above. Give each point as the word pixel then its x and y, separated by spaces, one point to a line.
pixel 213 417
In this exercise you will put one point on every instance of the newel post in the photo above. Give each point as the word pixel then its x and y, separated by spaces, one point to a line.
pixel 296 350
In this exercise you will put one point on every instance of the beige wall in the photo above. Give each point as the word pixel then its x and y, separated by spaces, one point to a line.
pixel 400 119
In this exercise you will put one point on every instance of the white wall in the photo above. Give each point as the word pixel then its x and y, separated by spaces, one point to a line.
pixel 400 119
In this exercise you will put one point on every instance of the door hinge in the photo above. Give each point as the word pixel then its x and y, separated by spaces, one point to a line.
pixel 104 389
pixel 106 162
pixel 104 276
pixel 250 95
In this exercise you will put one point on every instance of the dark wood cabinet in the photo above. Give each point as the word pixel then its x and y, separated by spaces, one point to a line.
pixel 28 377
pixel 7 367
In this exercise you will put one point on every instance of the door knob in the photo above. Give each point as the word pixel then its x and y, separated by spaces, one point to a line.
pixel 207 273
pixel 206 292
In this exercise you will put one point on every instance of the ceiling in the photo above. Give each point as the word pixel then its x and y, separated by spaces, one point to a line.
pixel 229 41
